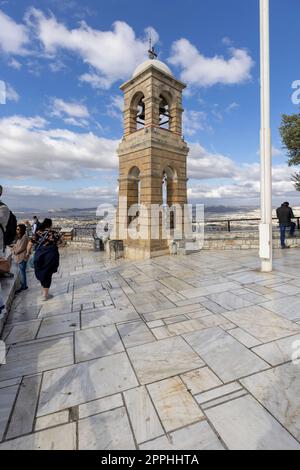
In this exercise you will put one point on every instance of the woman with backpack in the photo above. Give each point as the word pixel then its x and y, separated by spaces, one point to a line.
pixel 46 255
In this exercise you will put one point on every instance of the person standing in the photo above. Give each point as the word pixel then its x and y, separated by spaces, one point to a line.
pixel 35 225
pixel 46 255
pixel 285 215
pixel 19 250
pixel 4 217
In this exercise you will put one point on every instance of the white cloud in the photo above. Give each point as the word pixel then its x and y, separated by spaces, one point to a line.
pixel 227 41
pixel 202 71
pixel 76 110
pixel 243 180
pixel 13 37
pixel 194 121
pixel 91 193
pixel 111 55
pixel 30 150
pixel 232 106
pixel 116 107
pixel 11 94
pixel 15 64
pixel 76 122
pixel 203 164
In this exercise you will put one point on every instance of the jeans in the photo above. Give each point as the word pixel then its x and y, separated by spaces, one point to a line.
pixel 283 228
pixel 23 278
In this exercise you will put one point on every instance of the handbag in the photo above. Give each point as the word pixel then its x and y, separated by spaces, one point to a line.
pixel 5 265
pixel 31 261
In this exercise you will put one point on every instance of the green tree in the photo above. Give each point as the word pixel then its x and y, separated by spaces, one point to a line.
pixel 290 135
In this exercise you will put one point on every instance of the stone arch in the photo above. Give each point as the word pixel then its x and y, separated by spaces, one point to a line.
pixel 169 186
pixel 165 107
pixel 133 191
pixel 137 111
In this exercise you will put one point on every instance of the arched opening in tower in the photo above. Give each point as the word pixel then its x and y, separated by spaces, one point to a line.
pixel 164 113
pixel 168 182
pixel 134 194
pixel 140 114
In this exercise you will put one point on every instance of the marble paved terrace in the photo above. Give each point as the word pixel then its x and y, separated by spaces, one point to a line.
pixel 184 353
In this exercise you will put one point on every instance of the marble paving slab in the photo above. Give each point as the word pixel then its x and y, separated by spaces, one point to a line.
pixel 212 306
pixel 199 436
pixel 107 316
pixel 227 358
pixel 205 291
pixel 37 357
pixel 262 324
pixel 243 424
pixel 10 383
pixel 278 391
pixel 175 283
pixel 7 399
pixel 150 302
pixel 228 300
pixel 163 359
pixel 52 421
pixel 59 438
pixel 135 334
pixel 24 332
pixel 172 312
pixel 57 305
pixel 24 411
pixel 287 308
pixel 100 406
pixel 97 342
pixel 144 419
pixel 280 351
pixel 84 382
pixel 200 380
pixel 59 324
pixel 107 431
pixel 175 405
pixel 218 392
pixel 245 338
pixel 180 328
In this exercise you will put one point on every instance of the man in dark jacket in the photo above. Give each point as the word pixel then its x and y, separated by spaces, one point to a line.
pixel 285 215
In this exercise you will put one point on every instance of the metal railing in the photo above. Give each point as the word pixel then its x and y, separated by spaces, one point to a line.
pixel 88 232
pixel 247 224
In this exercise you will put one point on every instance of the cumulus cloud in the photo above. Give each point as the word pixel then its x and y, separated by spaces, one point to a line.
pixel 202 71
pixel 116 107
pixel 110 55
pixel 194 121
pixel 70 108
pixel 13 36
pixel 243 180
pixel 11 94
pixel 14 64
pixel 29 149
pixel 203 164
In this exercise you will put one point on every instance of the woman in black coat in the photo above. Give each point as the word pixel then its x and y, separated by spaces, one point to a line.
pixel 46 255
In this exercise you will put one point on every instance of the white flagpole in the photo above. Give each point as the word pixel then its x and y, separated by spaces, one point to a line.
pixel 265 229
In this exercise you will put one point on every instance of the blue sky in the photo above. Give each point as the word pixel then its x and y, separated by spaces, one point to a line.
pixel 63 62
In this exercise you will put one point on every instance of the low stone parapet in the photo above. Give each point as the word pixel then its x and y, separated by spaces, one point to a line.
pixel 243 241
pixel 8 289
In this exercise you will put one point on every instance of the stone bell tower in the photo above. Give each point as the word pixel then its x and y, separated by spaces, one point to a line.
pixel 152 159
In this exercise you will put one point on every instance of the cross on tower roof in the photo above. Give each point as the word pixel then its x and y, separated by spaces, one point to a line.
pixel 151 53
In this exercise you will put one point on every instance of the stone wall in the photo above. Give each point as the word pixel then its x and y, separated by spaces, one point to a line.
pixel 242 241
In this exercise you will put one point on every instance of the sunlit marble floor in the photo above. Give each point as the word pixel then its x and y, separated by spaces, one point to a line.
pixel 196 352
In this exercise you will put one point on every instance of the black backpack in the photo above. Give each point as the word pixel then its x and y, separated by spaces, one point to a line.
pixel 9 234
